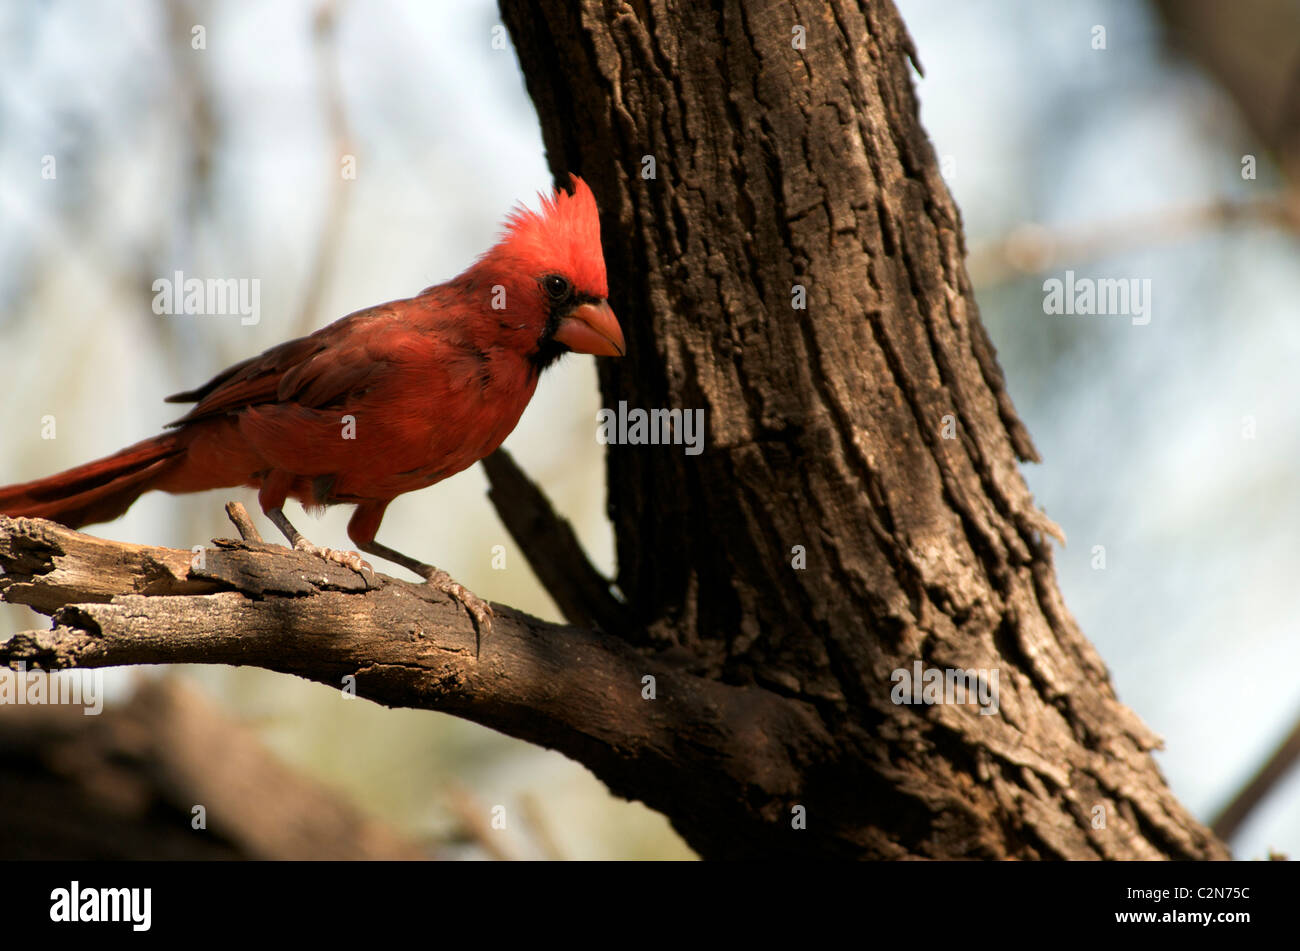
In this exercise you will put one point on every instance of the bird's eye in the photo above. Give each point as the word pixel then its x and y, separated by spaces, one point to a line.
pixel 557 288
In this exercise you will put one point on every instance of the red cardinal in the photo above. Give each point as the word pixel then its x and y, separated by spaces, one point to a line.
pixel 381 402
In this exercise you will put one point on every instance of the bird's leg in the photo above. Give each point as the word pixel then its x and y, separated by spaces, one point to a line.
pixel 478 609
pixel 348 559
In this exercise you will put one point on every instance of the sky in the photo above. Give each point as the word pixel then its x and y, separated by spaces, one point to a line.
pixel 1175 444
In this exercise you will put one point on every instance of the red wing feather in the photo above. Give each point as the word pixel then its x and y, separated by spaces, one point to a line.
pixel 314 371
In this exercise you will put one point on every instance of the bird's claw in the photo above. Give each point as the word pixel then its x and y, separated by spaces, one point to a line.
pixel 348 559
pixel 478 609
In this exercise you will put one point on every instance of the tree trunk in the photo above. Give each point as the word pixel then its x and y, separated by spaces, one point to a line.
pixel 857 508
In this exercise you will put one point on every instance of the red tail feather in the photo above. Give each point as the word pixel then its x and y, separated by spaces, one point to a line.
pixel 98 491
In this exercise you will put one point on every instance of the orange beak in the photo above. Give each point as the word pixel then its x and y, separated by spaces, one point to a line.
pixel 592 328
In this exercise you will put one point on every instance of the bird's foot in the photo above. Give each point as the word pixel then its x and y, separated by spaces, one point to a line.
pixel 348 559
pixel 478 609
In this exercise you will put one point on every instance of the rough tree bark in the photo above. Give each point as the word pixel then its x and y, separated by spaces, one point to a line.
pixel 778 166
pixel 782 158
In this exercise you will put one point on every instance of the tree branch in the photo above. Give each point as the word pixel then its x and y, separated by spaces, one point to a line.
pixel 1275 769
pixel 718 760
pixel 1033 249
pixel 123 785
pixel 553 551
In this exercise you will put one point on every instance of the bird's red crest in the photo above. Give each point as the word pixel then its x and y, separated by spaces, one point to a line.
pixel 563 236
